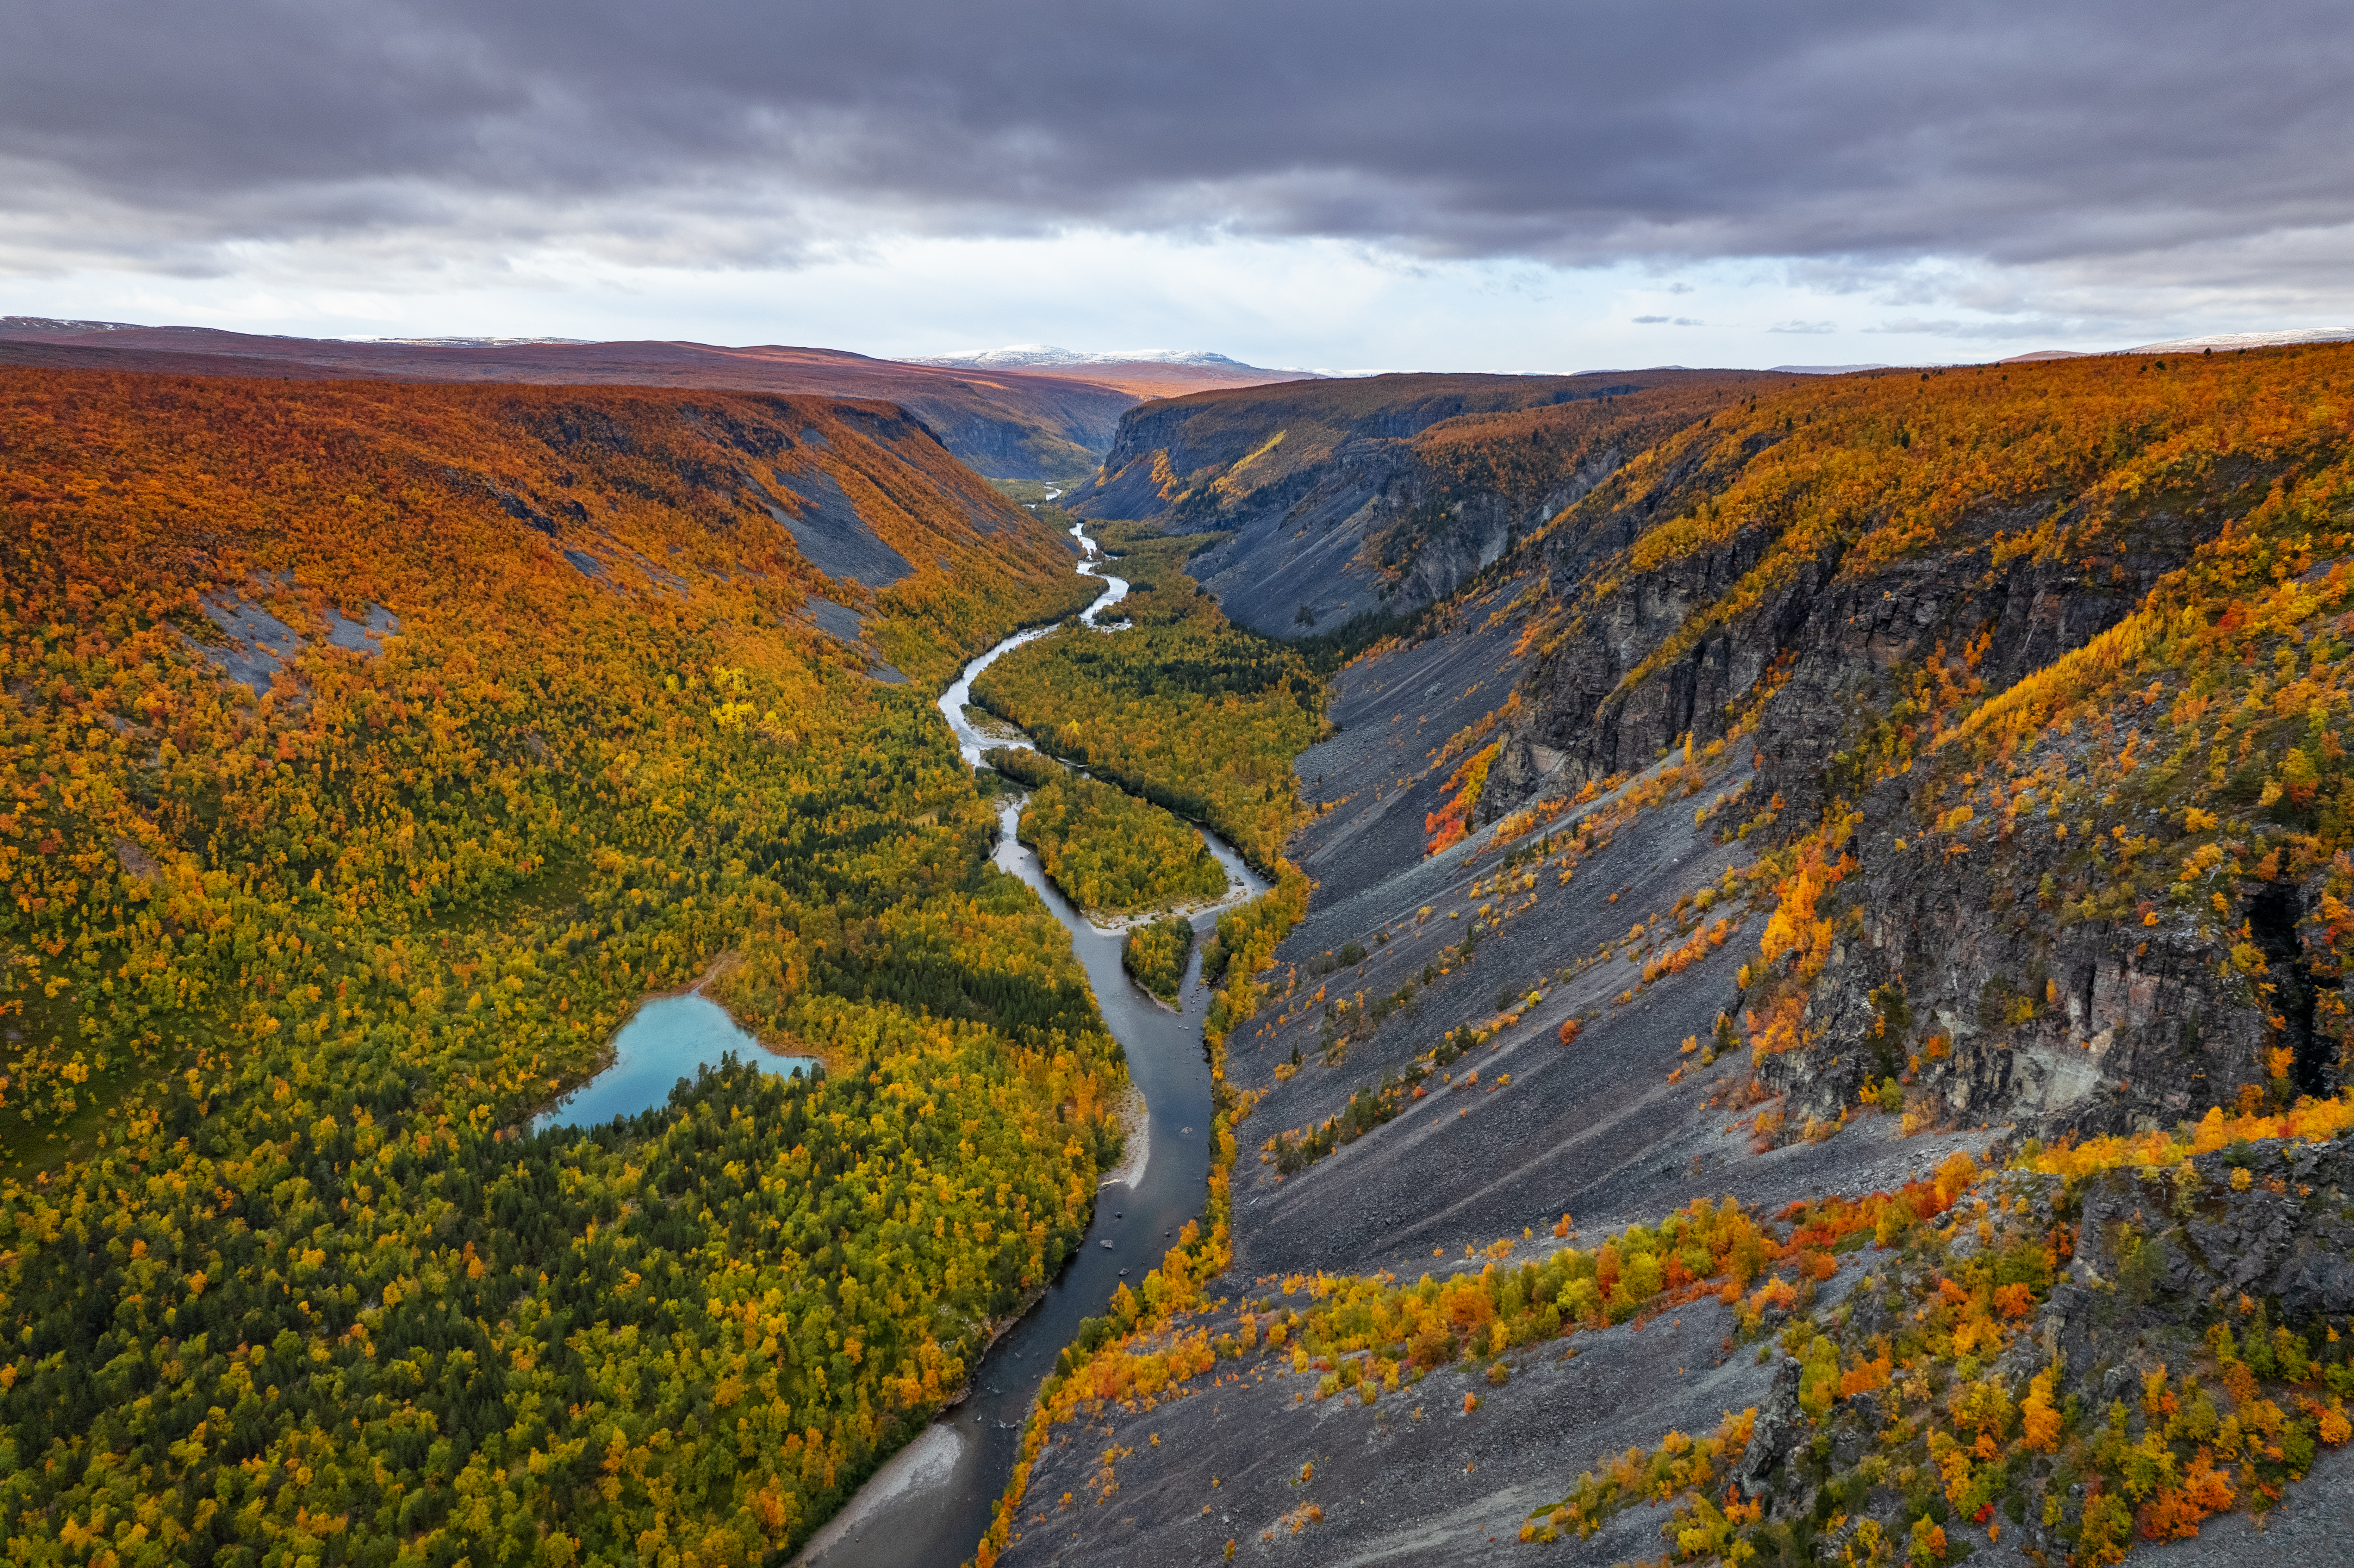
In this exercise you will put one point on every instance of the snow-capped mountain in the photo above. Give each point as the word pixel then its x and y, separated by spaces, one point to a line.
pixel 2230 339
pixel 1040 355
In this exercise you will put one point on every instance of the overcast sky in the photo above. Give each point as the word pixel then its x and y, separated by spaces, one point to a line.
pixel 1343 184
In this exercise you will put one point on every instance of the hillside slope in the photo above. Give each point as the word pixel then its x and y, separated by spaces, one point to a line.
pixel 1895 778
pixel 367 752
pixel 1008 427
pixel 1158 376
pixel 1369 498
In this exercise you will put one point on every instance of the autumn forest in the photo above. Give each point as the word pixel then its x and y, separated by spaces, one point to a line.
pixel 1879 843
pixel 291 963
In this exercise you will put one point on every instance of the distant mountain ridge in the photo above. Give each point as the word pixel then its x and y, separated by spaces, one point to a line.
pixel 467 341
pixel 1351 497
pixel 1008 426
pixel 12 324
pixel 1144 373
pixel 2248 340
pixel 2219 341
pixel 1041 356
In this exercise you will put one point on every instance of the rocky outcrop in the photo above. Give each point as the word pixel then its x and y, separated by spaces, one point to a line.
pixel 2018 1011
pixel 1581 1015
pixel 2188 1288
pixel 1342 499
pixel 2168 1247
pixel 1780 1424
pixel 1620 686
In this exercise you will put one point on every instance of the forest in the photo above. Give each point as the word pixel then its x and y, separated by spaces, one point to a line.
pixel 1156 954
pixel 1108 851
pixel 1185 709
pixel 293 956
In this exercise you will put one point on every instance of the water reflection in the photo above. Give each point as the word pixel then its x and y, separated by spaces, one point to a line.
pixel 664 1041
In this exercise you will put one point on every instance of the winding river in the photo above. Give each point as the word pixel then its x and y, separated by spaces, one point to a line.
pixel 932 1502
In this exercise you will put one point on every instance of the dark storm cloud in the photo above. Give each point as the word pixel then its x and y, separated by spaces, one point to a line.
pixel 714 132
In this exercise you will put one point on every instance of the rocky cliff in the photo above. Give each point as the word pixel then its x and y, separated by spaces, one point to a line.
pixel 1881 631
pixel 1372 498
pixel 1857 790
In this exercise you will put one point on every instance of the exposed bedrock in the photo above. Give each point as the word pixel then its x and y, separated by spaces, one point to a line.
pixel 1344 499
pixel 1623 684
pixel 1986 976
pixel 2059 1024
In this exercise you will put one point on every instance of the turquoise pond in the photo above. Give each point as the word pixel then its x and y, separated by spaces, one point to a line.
pixel 664 1041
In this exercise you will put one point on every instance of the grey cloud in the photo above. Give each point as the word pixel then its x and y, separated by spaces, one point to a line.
pixel 706 134
pixel 1990 330
pixel 1650 321
pixel 1807 327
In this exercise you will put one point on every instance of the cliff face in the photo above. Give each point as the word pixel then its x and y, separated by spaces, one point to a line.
pixel 886 553
pixel 1838 654
pixel 1885 768
pixel 1617 683
pixel 1344 499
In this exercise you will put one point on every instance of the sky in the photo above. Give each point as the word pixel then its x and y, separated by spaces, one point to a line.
pixel 1340 185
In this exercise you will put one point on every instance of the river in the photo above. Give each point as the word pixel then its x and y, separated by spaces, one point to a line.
pixel 953 701
pixel 932 1502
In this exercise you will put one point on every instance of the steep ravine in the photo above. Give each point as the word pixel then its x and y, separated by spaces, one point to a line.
pixel 1335 499
pixel 1592 1128
pixel 933 1500
pixel 1732 685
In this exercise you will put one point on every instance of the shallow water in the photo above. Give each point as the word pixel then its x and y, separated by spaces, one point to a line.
pixel 930 1504
pixel 971 742
pixel 666 1040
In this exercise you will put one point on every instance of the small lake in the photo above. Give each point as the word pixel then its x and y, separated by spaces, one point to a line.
pixel 664 1041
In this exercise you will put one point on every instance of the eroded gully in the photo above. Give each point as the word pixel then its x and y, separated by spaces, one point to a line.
pixel 932 1502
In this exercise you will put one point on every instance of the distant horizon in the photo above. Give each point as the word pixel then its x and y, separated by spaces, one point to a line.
pixel 1075 360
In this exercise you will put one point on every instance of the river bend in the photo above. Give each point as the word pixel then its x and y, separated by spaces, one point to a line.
pixel 932 1501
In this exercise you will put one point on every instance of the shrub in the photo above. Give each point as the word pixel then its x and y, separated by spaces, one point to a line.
pixel 1156 954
